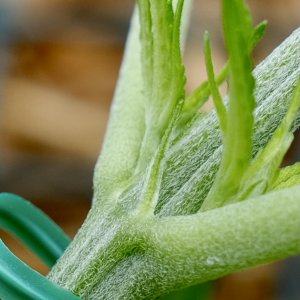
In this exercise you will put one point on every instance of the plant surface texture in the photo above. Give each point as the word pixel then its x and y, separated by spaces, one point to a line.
pixel 182 196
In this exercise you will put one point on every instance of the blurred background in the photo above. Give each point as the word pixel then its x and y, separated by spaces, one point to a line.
pixel 59 61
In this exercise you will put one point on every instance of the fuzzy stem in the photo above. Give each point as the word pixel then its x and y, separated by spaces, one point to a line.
pixel 124 255
pixel 185 250
pixel 175 252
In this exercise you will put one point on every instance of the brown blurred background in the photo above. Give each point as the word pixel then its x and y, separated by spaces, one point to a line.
pixel 59 62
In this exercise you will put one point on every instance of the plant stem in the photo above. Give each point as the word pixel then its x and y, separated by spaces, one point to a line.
pixel 122 252
pixel 157 255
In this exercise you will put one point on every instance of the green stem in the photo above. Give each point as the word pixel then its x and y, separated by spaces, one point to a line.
pixel 120 253
pixel 176 252
pixel 209 245
pixel 124 135
pixel 185 250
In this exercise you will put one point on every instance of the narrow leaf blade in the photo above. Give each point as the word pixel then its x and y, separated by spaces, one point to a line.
pixel 237 142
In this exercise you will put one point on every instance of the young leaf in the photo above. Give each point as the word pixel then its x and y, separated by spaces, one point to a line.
pixel 191 111
pixel 164 79
pixel 217 98
pixel 152 179
pixel 239 130
pixel 264 168
pixel 262 171
pixel 196 100
pixel 125 133
pixel 258 33
pixel 288 177
pixel 194 159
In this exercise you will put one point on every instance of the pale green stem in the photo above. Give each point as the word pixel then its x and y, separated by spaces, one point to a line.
pixel 121 146
pixel 176 252
pixel 205 246
pixel 124 255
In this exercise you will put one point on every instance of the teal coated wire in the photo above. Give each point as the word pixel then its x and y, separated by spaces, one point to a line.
pixel 35 229
pixel 20 282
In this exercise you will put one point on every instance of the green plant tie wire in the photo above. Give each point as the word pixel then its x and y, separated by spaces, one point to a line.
pixel 36 230
pixel 20 282
pixel 47 240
